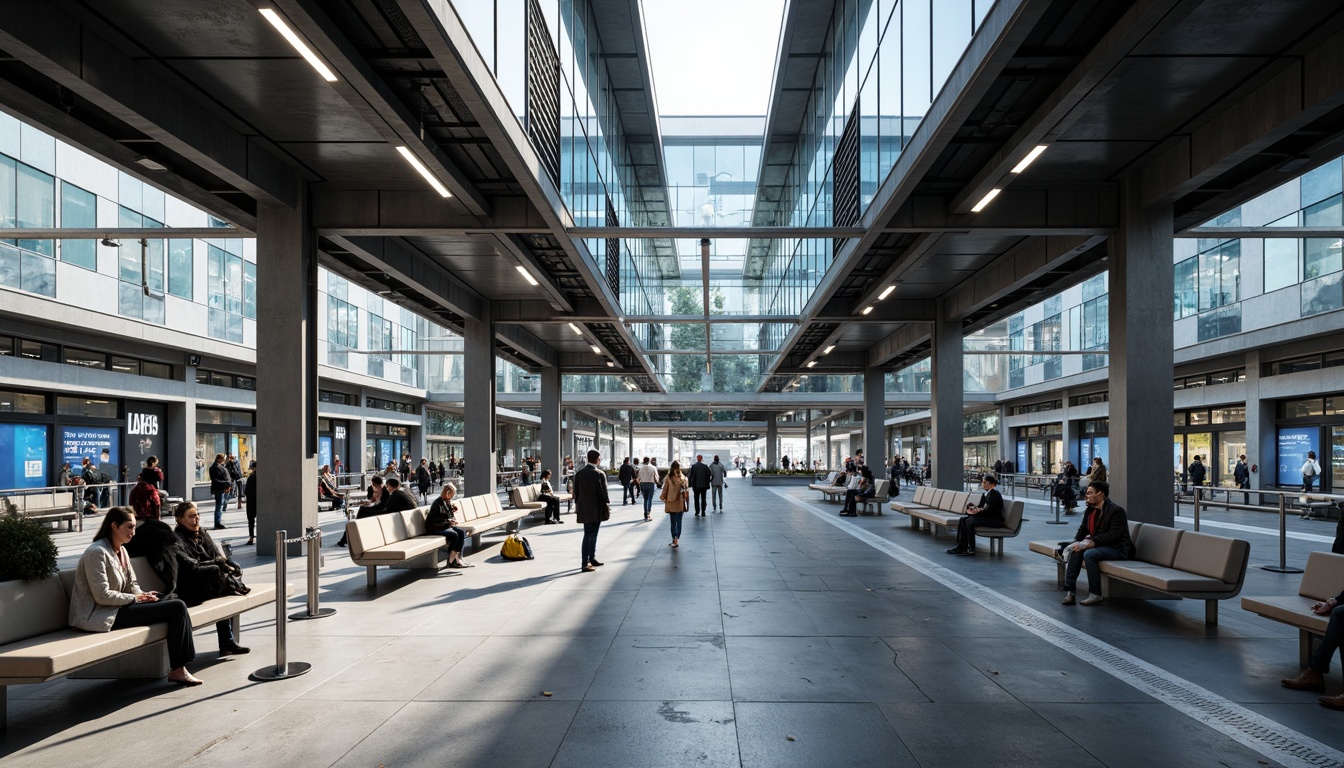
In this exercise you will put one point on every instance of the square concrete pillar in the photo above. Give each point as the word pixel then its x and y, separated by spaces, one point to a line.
pixel 287 374
pixel 946 401
pixel 552 415
pixel 1141 359
pixel 478 365
pixel 772 441
pixel 874 418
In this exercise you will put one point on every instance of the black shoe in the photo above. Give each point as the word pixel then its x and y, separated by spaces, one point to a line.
pixel 221 528
pixel 234 650
pixel 967 553
pixel 596 562
pixel 956 551
pixel 342 542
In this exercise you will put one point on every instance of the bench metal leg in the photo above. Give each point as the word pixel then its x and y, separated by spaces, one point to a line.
pixel 4 707
pixel 371 575
pixel 1211 612
pixel 475 543
pixel 1304 647
pixel 236 624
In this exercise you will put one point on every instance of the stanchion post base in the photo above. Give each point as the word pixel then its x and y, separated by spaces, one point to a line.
pixel 1056 522
pixel 292 669
pixel 1277 569
pixel 322 613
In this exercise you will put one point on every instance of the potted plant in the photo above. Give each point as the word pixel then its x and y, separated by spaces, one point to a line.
pixel 27 551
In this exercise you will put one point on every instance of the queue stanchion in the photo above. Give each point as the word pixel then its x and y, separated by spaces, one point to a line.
pixel 1196 506
pixel 283 669
pixel 1057 505
pixel 313 540
pixel 1282 567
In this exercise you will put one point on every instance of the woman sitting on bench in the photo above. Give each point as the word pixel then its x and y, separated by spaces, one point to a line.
pixel 865 489
pixel 547 495
pixel 987 514
pixel 106 595
pixel 442 519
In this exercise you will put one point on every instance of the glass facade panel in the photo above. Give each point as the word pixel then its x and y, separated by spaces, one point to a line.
pixel 79 209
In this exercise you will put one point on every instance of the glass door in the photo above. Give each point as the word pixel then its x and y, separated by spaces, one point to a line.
pixel 1230 446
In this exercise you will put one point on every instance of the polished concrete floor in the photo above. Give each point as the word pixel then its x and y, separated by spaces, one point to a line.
pixel 777 635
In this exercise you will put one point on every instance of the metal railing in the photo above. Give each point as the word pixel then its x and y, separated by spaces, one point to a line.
pixel 1283 500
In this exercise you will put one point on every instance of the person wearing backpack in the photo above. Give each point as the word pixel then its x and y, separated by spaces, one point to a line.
pixel 1310 471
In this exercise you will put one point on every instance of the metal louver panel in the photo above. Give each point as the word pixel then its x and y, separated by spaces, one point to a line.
pixel 543 92
pixel 847 175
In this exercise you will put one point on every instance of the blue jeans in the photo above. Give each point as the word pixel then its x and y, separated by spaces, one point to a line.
pixel 627 493
pixel 219 509
pixel 716 496
pixel 646 490
pixel 589 551
pixel 1091 558
pixel 675 517
pixel 1334 636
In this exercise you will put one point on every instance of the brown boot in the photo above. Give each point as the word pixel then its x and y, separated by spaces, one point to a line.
pixel 1309 680
pixel 1333 702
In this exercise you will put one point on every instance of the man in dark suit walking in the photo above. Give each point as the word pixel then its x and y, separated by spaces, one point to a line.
pixel 698 479
pixel 591 507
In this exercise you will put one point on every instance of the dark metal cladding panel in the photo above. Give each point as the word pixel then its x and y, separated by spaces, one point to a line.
pixel 847 176
pixel 543 92
pixel 613 247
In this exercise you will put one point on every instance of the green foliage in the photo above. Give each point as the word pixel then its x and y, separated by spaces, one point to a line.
pixel 27 550
pixel 730 373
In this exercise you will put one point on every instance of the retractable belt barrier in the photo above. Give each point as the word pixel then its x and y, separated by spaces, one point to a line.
pixel 283 668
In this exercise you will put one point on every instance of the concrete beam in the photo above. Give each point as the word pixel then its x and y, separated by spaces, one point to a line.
pixel 528 345
pixel 410 266
pixel 406 213
pixel 898 343
pixel 1013 270
pixel 1302 90
pixel 60 47
pixel 376 103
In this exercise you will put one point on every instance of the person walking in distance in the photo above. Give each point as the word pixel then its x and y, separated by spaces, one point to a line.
pixel 1241 474
pixel 648 480
pixel 592 506
pixel 718 478
pixel 1310 471
pixel 220 483
pixel 627 478
pixel 699 480
pixel 674 499
pixel 423 479
pixel 235 471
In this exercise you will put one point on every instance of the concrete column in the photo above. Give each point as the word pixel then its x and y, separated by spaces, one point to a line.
pixel 1007 448
pixel 510 446
pixel 830 464
pixel 668 463
pixel 179 461
pixel 566 440
pixel 287 384
pixel 419 443
pixel 478 365
pixel 1140 327
pixel 807 451
pixel 874 416
pixel 772 441
pixel 1261 451
pixel 1068 434
pixel 358 460
pixel 630 434
pixel 552 453
pixel 946 401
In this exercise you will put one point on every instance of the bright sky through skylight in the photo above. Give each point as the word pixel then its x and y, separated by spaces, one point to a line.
pixel 712 57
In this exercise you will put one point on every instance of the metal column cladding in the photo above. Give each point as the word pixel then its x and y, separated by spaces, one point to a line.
pixel 543 92
pixel 847 176
pixel 613 246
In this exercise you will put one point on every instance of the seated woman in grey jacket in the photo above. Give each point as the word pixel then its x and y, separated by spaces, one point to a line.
pixel 106 595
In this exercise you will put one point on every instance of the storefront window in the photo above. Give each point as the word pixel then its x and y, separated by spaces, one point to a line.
pixel 86 406
pixel 1230 446
pixel 22 402
pixel 207 445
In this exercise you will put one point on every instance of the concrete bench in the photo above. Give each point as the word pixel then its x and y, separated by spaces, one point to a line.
pixel 837 492
pixel 526 497
pixel 478 514
pixel 1012 526
pixel 934 508
pixel 37 643
pixel 824 484
pixel 1170 564
pixel 44 506
pixel 1322 580
pixel 881 495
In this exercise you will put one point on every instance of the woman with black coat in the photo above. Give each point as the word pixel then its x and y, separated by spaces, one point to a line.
pixel 213 574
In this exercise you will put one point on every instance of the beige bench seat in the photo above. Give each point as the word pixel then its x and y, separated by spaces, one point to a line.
pixel 1321 580
pixel 824 484
pixel 1170 563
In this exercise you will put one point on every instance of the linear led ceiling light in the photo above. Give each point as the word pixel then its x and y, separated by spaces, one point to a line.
pixel 812 364
pixel 886 292
pixel 868 309
pixel 1032 155
pixel 611 364
pixel 596 349
pixel 423 171
pixel 526 275
pixel 828 350
pixel 575 329
pixel 299 45
pixel 990 195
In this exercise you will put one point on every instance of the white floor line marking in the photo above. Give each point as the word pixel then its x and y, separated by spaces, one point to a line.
pixel 1248 728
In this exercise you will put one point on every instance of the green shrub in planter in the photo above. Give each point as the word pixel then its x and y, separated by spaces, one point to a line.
pixel 27 551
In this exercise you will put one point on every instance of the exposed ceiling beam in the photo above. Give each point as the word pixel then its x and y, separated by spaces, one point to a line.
pixel 528 345
pixel 60 47
pixel 413 268
pixel 1019 266
pixel 408 213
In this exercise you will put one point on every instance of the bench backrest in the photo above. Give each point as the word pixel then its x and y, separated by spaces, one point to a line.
pixel 936 498
pixel 1217 557
pixel 466 509
pixel 490 503
pixel 922 494
pixel 364 535
pixel 516 497
pixel 394 528
pixel 881 489
pixel 830 478
pixel 1157 544
pixel 1322 580
pixel 1012 518
pixel 955 501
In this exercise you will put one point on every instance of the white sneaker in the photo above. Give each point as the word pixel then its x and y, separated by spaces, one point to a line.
pixel 1092 600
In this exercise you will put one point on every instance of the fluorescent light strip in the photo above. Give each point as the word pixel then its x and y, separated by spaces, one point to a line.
pixel 423 171
pixel 611 364
pixel 299 45
pixel 828 350
pixel 886 292
pixel 868 309
pixel 596 349
pixel 990 195
pixel 1032 155
pixel 812 364
pixel 575 329
pixel 526 275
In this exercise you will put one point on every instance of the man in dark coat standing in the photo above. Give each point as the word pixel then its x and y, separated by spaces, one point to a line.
pixel 591 507
pixel 627 478
pixel 698 479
